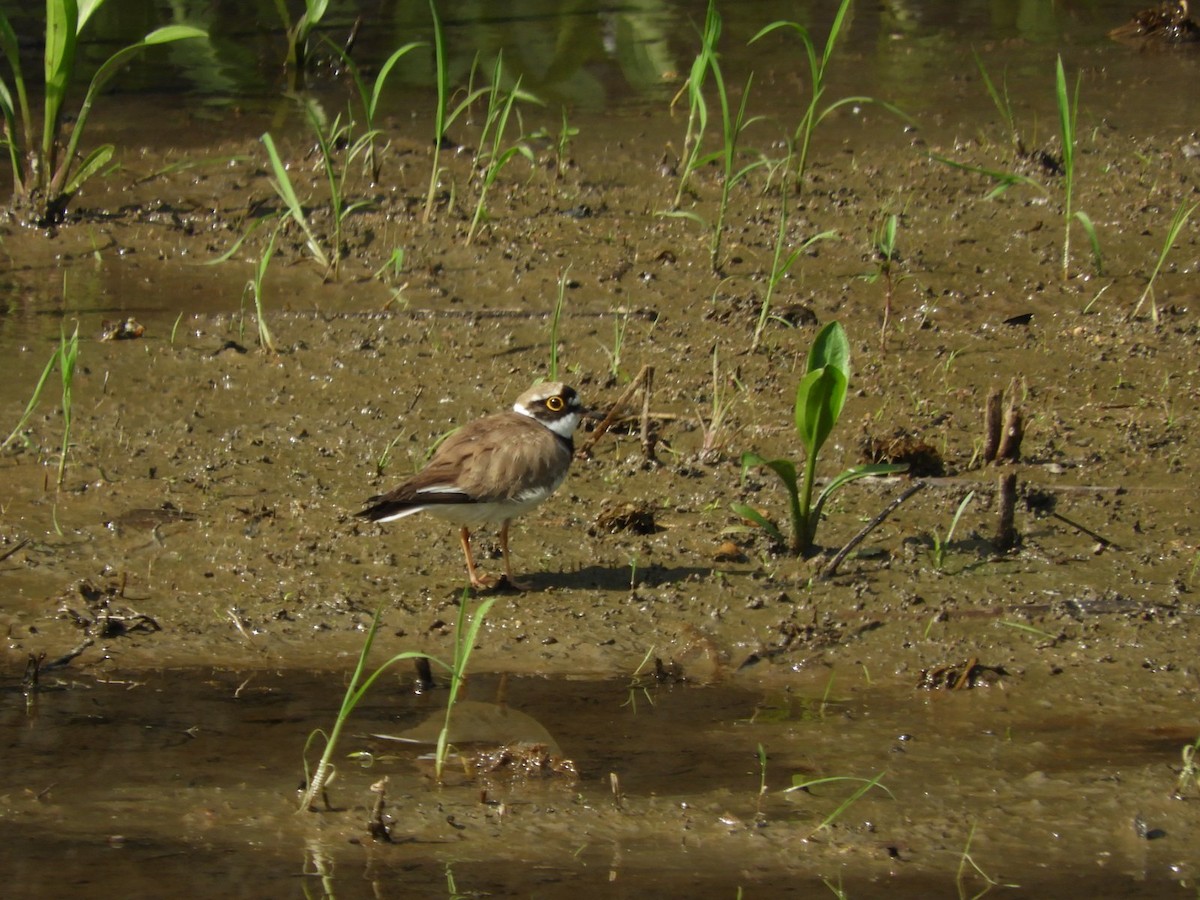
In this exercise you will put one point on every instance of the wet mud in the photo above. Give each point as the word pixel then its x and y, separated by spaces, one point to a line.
pixel 198 590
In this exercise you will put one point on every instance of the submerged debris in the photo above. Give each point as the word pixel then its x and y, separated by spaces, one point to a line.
pixel 524 761
pixel 635 516
pixel 924 460
pixel 1167 23
pixel 100 618
pixel 126 330
pixel 959 676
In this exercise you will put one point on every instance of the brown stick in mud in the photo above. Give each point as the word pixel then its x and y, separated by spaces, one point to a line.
pixel 642 380
pixel 991 426
pixel 1013 429
pixel 831 569
pixel 1006 532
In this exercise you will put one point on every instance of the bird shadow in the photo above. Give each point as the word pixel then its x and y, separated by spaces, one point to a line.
pixel 604 578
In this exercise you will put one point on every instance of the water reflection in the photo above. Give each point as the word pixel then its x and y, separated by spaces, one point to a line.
pixel 591 55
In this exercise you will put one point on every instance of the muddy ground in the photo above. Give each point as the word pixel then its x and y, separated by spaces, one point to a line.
pixel 204 536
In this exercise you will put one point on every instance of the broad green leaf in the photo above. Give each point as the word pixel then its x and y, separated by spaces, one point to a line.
pixel 62 17
pixel 781 467
pixel 819 400
pixel 104 74
pixel 830 348
pixel 86 9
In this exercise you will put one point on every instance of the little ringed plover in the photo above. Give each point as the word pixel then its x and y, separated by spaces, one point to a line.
pixel 492 470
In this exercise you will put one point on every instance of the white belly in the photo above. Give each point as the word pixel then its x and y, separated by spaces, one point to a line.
pixel 474 514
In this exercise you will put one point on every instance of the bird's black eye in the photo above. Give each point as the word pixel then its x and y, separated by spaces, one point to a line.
pixel 554 404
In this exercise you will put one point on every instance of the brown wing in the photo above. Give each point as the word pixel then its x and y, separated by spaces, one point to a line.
pixel 469 467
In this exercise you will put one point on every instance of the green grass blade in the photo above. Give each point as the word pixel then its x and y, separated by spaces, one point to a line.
pixel 384 71
pixel 93 163
pixel 283 187
pixel 11 49
pixel 1182 214
pixel 753 515
pixel 33 400
pixel 854 473
pixel 1066 122
pixel 466 633
pixel 1005 179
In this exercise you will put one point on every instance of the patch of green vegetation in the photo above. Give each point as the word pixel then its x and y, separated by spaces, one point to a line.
pixel 820 397
pixel 47 171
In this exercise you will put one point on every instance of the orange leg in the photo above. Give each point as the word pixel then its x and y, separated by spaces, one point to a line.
pixel 477 581
pixel 508 572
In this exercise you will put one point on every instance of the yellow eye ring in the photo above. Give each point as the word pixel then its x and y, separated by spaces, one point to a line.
pixel 554 404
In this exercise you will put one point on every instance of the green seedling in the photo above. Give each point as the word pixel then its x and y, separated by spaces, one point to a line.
pixel 491 160
pixel 732 171
pixel 282 183
pixel 762 779
pixel 820 397
pixel 328 140
pixel 1189 775
pixel 781 264
pixel 733 124
pixel 18 431
pixel 818 67
pixel 620 328
pixel 393 268
pixel 64 358
pixel 1003 104
pixel 967 865
pixel 1068 109
pixel 884 247
pixel 68 355
pixel 359 684
pixel 940 546
pixel 466 633
pixel 716 430
pixel 369 98
pixel 561 142
pixel 1004 180
pixel 385 458
pixel 693 87
pixel 440 120
pixel 639 681
pixel 1180 219
pixel 298 34
pixel 865 784
pixel 255 288
pixel 443 116
pixel 329 137
pixel 556 320
pixel 46 170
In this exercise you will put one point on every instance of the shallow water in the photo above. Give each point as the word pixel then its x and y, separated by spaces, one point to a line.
pixel 177 777
pixel 202 558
